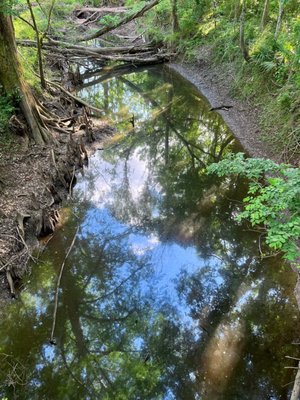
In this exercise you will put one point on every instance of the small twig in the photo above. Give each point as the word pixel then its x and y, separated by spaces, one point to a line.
pixel 293 358
pixel 287 384
pixel 13 258
pixel 25 245
pixel 11 236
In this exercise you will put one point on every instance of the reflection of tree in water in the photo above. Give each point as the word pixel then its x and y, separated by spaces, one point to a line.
pixel 104 324
pixel 190 209
pixel 117 336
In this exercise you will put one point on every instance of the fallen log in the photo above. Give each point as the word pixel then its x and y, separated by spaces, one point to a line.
pixel 123 21
pixel 102 10
pixel 66 46
pixel 136 55
pixel 222 107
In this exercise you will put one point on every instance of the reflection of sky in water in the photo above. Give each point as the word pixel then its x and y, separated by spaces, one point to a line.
pixel 167 259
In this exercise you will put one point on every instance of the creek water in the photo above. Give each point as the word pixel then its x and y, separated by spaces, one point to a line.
pixel 164 294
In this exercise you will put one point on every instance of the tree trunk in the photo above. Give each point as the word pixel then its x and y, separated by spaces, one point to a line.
pixel 243 45
pixel 39 46
pixel 13 82
pixel 236 10
pixel 265 15
pixel 175 24
pixel 279 19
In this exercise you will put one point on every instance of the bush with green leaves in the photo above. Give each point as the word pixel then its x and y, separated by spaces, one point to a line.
pixel 273 200
pixel 6 111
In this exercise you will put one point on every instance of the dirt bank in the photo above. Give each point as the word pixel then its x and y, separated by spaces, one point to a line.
pixel 241 117
pixel 34 180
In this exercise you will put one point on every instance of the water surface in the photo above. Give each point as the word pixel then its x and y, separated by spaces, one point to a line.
pixel 164 294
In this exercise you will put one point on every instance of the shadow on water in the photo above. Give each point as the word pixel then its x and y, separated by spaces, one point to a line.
pixel 164 295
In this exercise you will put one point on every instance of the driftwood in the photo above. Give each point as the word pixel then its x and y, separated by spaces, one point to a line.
pixel 138 55
pixel 296 389
pixel 10 283
pixel 123 21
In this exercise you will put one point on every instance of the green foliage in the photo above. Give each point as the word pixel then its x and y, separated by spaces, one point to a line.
pixel 109 20
pixel 8 6
pixel 6 110
pixel 273 200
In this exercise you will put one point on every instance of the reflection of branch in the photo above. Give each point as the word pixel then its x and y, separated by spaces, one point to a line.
pixel 187 143
pixel 110 73
pixel 223 147
pixel 52 341
pixel 117 319
pixel 117 287
pixel 63 356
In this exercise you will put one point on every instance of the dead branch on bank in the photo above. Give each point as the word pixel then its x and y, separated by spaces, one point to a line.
pixel 123 21
pixel 76 99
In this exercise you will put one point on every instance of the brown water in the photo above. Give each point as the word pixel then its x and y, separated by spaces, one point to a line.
pixel 164 294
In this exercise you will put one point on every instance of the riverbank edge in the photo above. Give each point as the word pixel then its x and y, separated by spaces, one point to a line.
pixel 241 117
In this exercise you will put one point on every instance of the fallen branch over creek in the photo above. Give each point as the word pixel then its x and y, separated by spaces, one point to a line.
pixel 138 55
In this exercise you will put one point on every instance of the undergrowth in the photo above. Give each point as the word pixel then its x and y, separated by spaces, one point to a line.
pixel 6 111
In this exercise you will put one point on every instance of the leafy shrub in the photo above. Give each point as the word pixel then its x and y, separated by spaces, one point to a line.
pixel 273 200
pixel 6 111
